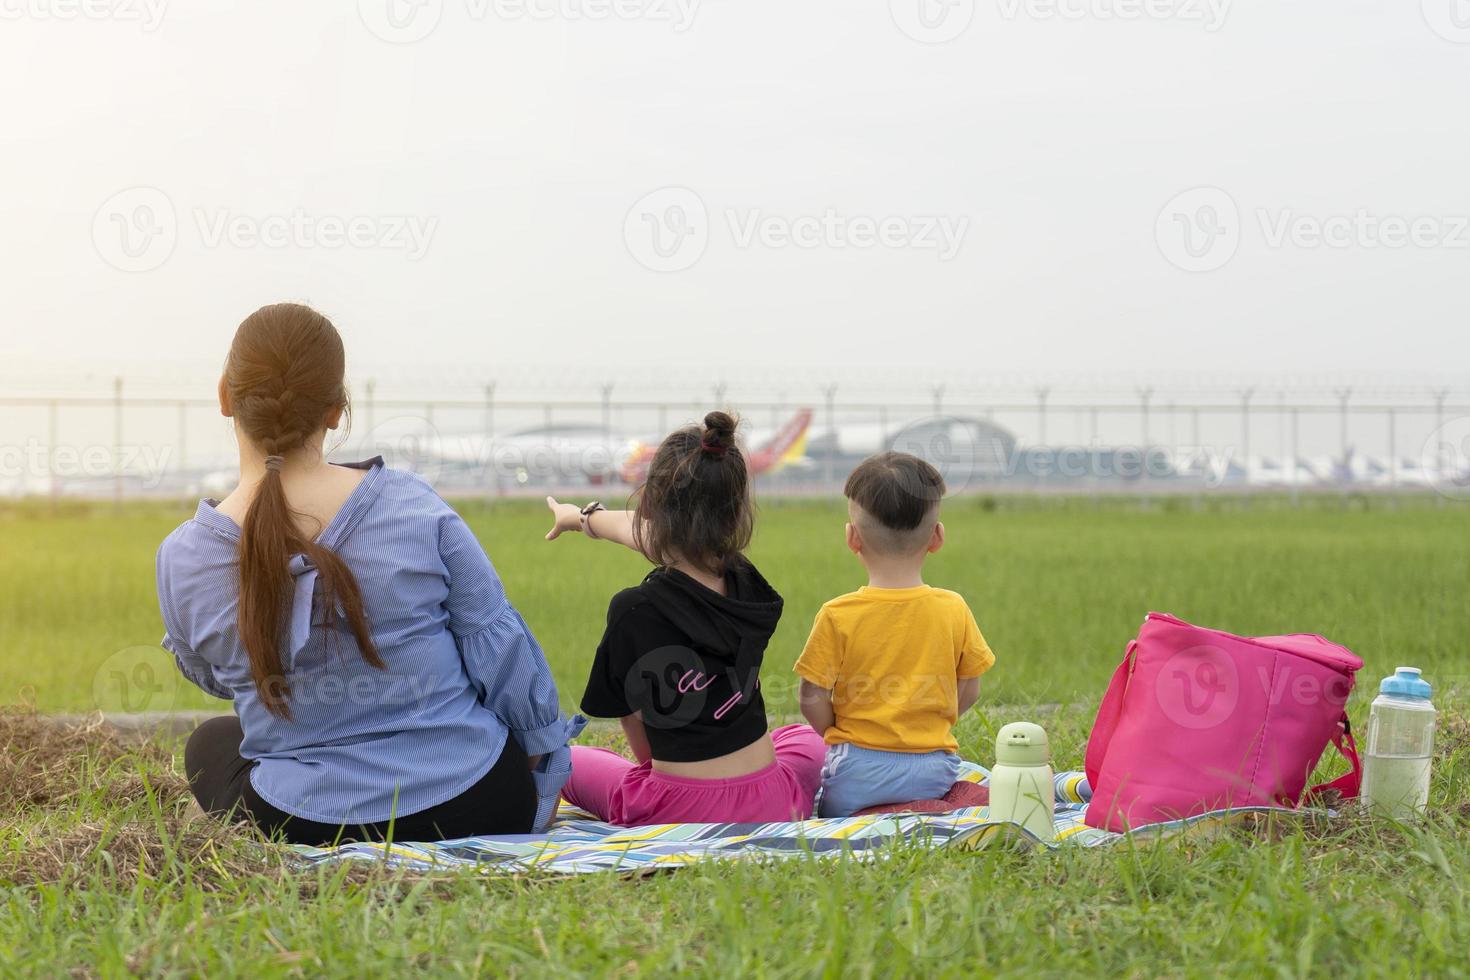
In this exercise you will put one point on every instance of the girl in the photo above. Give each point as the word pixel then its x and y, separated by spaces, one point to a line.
pixel 679 663
pixel 382 682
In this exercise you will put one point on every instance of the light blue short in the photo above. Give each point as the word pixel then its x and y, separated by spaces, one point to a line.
pixel 855 778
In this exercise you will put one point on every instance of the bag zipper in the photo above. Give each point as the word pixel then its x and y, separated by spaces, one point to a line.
pixel 1344 668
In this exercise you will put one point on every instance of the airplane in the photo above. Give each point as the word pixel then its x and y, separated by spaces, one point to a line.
pixel 786 447
pixel 551 454
pixel 1267 471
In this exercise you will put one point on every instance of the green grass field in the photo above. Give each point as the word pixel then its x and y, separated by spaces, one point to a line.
pixel 102 875
pixel 1058 588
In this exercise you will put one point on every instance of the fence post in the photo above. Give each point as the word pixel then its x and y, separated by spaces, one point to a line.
pixel 1282 421
pixel 1041 394
pixel 490 411
pixel 1439 394
pixel 1343 394
pixel 1393 454
pixel 117 441
pixel 1295 438
pixel 1144 396
pixel 1245 428
pixel 53 439
pixel 829 471
pixel 183 464
pixel 372 411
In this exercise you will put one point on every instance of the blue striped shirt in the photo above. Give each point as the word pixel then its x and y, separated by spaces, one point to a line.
pixel 462 668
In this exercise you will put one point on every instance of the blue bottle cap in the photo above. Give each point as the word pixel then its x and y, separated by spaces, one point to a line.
pixel 1406 682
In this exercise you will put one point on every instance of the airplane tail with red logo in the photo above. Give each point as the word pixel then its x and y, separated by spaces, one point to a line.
pixel 787 446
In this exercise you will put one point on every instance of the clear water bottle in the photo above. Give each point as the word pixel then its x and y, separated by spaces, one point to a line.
pixel 1021 786
pixel 1400 745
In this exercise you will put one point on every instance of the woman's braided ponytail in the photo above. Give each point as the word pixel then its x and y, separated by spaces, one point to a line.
pixel 284 377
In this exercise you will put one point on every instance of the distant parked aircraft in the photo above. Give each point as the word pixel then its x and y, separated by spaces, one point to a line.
pixel 785 447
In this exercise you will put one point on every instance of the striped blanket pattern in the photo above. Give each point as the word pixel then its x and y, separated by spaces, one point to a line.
pixel 579 844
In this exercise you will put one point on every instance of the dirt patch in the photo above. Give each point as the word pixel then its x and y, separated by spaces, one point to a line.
pixel 1453 734
pixel 43 764
pixel 205 853
pixel 81 799
pixel 50 772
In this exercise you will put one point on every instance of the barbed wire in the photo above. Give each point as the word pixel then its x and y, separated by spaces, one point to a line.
pixel 187 379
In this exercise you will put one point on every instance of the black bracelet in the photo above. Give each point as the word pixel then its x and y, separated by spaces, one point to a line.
pixel 587 513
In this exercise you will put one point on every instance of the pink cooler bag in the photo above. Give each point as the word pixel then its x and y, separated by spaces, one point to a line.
pixel 1197 720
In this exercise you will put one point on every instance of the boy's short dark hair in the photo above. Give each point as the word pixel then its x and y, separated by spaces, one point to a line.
pixel 900 493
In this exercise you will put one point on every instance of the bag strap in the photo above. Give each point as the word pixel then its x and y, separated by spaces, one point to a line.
pixel 1349 783
pixel 1108 714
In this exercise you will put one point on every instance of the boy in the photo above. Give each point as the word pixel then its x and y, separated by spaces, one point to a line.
pixel 889 668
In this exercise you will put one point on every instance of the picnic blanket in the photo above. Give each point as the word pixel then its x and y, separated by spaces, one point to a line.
pixel 578 844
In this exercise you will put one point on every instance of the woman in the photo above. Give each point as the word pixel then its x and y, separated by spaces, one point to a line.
pixel 383 684
pixel 679 664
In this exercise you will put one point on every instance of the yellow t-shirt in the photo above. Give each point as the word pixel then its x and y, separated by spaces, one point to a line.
pixel 892 659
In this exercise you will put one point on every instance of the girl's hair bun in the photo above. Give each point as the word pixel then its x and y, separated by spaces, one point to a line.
pixel 719 433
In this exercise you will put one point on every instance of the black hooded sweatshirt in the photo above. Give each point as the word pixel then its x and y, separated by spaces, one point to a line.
pixel 689 660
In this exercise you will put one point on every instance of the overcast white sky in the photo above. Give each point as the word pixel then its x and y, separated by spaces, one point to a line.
pixel 1048 141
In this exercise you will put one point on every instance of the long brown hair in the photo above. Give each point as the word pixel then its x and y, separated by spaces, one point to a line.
pixel 695 504
pixel 284 379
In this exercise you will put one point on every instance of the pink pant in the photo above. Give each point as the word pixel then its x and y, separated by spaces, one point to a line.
pixel 626 793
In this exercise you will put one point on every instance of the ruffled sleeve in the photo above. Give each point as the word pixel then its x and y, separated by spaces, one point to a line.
pixel 505 663
pixel 194 667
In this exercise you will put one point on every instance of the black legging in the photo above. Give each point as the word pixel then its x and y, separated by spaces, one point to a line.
pixel 503 802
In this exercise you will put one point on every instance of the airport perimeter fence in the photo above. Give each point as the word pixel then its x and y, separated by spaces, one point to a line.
pixel 126 443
